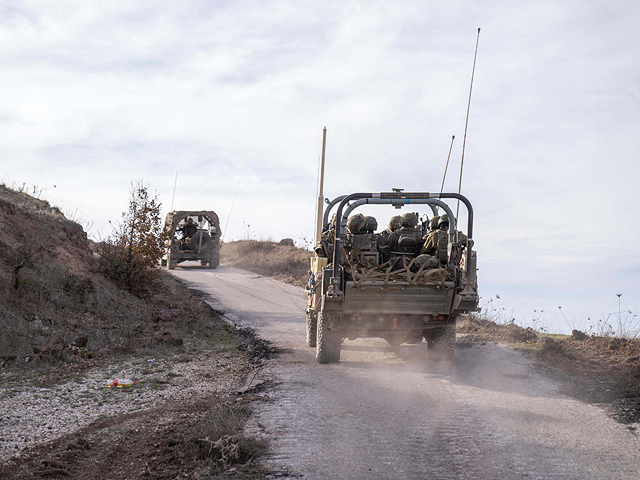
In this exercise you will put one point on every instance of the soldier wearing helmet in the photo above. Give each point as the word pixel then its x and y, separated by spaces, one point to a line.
pixel 433 225
pixel 406 240
pixel 324 247
pixel 394 224
pixel 356 224
pixel 370 224
pixel 430 246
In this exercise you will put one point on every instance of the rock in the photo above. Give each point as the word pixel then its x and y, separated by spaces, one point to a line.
pixel 81 341
pixel 287 242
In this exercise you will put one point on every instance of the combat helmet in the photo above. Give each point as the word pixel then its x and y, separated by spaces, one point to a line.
pixel 434 222
pixel 356 223
pixel 409 220
pixel 370 224
pixel 395 223
pixel 443 220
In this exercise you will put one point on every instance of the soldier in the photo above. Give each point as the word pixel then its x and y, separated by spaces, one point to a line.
pixel 436 243
pixel 189 229
pixel 370 224
pixel 324 248
pixel 433 225
pixel 356 224
pixel 407 239
pixel 394 224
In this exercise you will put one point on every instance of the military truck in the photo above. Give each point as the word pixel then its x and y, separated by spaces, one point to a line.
pixel 357 291
pixel 191 235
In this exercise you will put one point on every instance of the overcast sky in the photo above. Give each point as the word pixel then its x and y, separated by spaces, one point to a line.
pixel 97 94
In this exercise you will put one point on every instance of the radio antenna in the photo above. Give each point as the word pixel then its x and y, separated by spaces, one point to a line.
pixel 175 182
pixel 447 165
pixel 466 123
pixel 231 209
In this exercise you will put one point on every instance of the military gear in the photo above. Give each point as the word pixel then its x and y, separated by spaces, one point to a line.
pixel 434 222
pixel 395 223
pixel 356 223
pixel 443 220
pixel 371 224
pixel 409 220
pixel 405 240
pixel 436 245
pixel 426 261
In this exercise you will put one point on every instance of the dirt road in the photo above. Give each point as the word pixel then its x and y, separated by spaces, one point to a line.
pixel 391 413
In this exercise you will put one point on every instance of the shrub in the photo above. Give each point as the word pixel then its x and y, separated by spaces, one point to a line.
pixel 132 252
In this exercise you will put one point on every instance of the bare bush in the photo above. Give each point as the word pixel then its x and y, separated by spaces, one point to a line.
pixel 133 251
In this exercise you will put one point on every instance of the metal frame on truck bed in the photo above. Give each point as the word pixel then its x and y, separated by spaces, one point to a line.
pixel 354 291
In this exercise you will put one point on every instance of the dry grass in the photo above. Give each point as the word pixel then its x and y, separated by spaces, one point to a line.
pixel 284 262
pixel 53 290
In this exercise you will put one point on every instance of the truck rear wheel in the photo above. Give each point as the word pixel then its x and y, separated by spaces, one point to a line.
pixel 312 329
pixel 442 341
pixel 328 343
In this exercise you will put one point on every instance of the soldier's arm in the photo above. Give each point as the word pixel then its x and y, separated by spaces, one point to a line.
pixel 429 245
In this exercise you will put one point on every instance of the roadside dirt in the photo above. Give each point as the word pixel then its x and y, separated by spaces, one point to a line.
pixel 601 370
pixel 67 329
pixel 183 417
pixel 282 260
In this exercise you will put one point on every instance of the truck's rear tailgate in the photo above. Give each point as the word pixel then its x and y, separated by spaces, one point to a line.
pixel 374 297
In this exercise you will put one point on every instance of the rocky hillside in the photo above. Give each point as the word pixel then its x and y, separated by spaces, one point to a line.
pixel 55 300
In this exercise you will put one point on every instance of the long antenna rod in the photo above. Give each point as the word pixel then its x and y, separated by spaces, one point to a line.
pixel 466 123
pixel 321 188
pixel 175 182
pixel 231 209
pixel 447 165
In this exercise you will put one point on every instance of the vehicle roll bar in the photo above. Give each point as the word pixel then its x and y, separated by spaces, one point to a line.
pixel 335 201
pixel 432 202
pixel 398 198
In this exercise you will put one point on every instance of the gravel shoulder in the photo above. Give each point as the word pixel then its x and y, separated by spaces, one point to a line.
pixel 184 415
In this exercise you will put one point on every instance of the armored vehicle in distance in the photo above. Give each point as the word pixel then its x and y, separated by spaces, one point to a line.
pixel 192 235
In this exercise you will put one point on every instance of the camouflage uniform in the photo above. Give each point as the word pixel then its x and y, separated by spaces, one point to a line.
pixel 437 241
pixel 406 239
pixel 324 248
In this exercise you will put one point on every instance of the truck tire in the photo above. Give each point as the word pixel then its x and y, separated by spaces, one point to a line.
pixel 442 341
pixel 214 261
pixel 328 343
pixel 312 329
